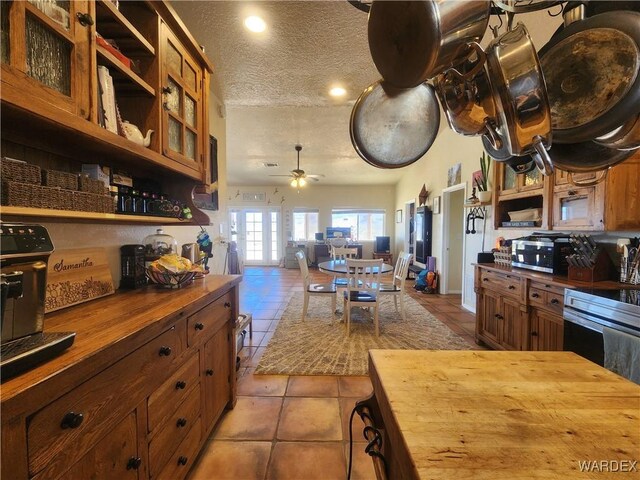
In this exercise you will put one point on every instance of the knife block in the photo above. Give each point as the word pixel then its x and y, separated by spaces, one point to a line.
pixel 601 270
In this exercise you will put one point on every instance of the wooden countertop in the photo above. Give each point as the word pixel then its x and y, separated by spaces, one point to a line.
pixel 556 280
pixel 123 322
pixel 503 415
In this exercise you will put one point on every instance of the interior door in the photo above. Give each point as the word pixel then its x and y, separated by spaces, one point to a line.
pixel 257 231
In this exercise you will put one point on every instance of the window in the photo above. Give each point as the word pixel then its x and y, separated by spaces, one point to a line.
pixel 305 224
pixel 364 224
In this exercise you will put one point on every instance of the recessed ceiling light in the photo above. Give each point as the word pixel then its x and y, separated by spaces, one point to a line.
pixel 337 92
pixel 255 24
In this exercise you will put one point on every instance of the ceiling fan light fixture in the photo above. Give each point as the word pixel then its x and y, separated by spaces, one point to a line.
pixel 337 91
pixel 255 24
pixel 302 182
pixel 294 182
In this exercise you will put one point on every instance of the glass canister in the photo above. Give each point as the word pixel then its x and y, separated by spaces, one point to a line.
pixel 159 244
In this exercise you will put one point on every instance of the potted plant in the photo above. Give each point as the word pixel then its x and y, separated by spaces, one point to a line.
pixel 482 183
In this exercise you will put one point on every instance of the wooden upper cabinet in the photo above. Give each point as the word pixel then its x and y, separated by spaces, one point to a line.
pixel 182 103
pixel 510 183
pixel 46 53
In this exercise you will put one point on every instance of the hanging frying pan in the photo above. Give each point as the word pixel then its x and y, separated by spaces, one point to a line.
pixel 412 41
pixel 393 127
pixel 585 157
pixel 591 72
pixel 626 137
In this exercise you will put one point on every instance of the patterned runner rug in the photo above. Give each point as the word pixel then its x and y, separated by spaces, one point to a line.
pixel 319 345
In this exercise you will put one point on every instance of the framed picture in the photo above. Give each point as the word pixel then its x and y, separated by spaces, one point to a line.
pixel 398 216
pixel 454 175
pixel 436 204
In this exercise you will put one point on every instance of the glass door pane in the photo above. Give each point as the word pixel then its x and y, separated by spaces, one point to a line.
pixel 254 244
pixel 274 256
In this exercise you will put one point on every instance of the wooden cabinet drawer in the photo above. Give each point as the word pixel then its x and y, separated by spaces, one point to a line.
pixel 174 430
pixel 182 459
pixel 537 296
pixel 165 400
pixel 506 283
pixel 555 302
pixel 550 297
pixel 204 323
pixel 63 431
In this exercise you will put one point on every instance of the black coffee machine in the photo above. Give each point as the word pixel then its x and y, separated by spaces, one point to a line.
pixel 24 252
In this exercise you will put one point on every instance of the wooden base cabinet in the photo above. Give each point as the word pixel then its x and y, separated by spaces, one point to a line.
pixel 514 312
pixel 148 413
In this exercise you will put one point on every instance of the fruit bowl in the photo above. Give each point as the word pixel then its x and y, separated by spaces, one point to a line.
pixel 171 280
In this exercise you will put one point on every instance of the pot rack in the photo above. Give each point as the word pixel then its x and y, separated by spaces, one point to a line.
pixel 498 7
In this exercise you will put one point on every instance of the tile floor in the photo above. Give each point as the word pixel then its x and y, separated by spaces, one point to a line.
pixel 296 427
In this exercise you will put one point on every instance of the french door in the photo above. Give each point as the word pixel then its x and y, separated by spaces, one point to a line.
pixel 257 232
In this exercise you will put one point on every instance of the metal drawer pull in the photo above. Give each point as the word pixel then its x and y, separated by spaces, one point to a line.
pixel 534 334
pixel 84 19
pixel 181 422
pixel 535 295
pixel 180 385
pixel 209 372
pixel 485 279
pixel 498 316
pixel 227 305
pixel 164 351
pixel 134 463
pixel 199 326
pixel 72 420
pixel 511 287
pixel 554 301
pixel 182 460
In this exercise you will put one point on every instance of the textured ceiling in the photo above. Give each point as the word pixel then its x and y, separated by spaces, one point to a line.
pixel 274 86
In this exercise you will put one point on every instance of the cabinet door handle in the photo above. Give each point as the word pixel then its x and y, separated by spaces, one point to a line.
pixel 534 334
pixel 134 463
pixel 498 316
pixel 164 351
pixel 72 420
pixel 535 295
pixel 227 305
pixel 554 301
pixel 182 460
pixel 485 279
pixel 84 19
pixel 180 385
pixel 181 422
pixel 209 372
pixel 167 90
pixel 199 326
pixel 511 287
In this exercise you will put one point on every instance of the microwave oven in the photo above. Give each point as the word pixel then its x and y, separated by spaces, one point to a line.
pixel 542 253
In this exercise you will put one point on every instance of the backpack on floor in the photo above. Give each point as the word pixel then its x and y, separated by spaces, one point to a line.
pixel 421 280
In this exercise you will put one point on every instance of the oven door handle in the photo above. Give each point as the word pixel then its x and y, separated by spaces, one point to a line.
pixel 596 327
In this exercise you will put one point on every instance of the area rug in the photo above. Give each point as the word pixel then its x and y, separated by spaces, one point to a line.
pixel 319 346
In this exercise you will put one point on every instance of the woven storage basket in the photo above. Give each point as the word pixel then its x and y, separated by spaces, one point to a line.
pixel 17 171
pixel 107 204
pixel 91 185
pixel 54 178
pixel 20 194
pixel 85 202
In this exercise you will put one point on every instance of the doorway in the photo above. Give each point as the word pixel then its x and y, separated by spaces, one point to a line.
pixel 257 232
pixel 409 227
pixel 453 239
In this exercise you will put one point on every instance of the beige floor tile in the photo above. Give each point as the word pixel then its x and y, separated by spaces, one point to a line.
pixel 255 341
pixel 245 355
pixel 253 418
pixel 362 466
pixel 305 419
pixel 307 461
pixel 261 325
pixel 266 338
pixel 346 407
pixel 312 386
pixel 262 385
pixel 257 356
pixel 359 387
pixel 223 460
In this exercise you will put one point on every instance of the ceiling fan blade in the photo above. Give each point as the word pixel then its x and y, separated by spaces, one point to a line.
pixel 315 175
pixel 314 179
pixel 290 176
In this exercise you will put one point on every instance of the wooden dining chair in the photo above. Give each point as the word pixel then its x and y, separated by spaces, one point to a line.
pixel 396 288
pixel 362 289
pixel 342 253
pixel 311 289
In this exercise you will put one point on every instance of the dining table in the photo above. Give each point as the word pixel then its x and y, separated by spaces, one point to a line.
pixel 499 415
pixel 339 267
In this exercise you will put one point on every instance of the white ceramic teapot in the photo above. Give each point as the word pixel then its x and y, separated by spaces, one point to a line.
pixel 133 133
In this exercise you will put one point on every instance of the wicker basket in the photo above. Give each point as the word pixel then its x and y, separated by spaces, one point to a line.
pixel 18 171
pixel 54 178
pixel 91 185
pixel 20 194
pixel 91 202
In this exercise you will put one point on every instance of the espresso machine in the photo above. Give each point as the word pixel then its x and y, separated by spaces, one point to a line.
pixel 24 252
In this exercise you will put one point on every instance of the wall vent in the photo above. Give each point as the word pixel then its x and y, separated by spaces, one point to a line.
pixel 270 164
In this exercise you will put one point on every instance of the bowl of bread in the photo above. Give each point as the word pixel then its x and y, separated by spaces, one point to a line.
pixel 173 271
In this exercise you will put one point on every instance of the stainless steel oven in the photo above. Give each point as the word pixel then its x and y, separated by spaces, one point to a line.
pixel 588 311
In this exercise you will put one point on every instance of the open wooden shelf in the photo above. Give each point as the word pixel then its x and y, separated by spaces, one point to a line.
pixel 114 25
pixel 89 217
pixel 133 82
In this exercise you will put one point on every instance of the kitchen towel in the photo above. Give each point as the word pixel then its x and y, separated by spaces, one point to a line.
pixel 622 354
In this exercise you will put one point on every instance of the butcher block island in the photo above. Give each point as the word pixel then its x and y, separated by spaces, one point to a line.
pixel 137 394
pixel 501 415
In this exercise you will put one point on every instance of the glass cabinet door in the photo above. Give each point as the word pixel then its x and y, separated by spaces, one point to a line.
pixel 48 41
pixel 182 103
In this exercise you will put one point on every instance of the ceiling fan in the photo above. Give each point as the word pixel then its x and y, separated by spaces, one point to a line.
pixel 299 177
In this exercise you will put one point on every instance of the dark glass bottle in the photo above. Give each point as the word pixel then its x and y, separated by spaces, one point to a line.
pixel 124 200
pixel 136 201
pixel 145 199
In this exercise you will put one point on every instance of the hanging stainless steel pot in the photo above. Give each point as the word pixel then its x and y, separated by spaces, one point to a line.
pixel 626 137
pixel 586 157
pixel 412 41
pixel 393 127
pixel 591 71
pixel 523 119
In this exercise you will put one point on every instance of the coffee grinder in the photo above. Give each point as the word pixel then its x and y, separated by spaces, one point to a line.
pixel 132 269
